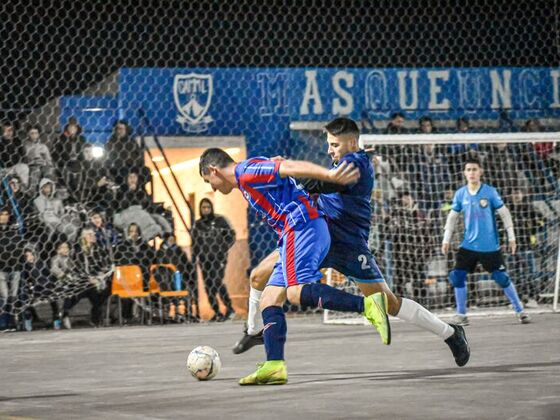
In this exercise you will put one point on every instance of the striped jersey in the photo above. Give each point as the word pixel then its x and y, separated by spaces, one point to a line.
pixel 279 200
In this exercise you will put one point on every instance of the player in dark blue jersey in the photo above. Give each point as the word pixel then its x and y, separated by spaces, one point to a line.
pixel 479 203
pixel 348 212
pixel 304 241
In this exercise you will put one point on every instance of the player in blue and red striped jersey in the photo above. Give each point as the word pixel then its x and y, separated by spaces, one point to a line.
pixel 304 242
pixel 348 211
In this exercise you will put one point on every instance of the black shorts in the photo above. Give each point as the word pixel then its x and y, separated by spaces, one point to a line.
pixel 491 261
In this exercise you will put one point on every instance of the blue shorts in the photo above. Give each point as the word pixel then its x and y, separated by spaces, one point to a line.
pixel 355 262
pixel 301 251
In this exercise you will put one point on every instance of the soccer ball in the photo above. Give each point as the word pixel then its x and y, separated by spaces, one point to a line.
pixel 204 363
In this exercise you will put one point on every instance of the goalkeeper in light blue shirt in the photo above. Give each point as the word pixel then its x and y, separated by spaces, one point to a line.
pixel 479 203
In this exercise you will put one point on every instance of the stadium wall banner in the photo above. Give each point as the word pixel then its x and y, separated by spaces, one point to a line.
pixel 234 100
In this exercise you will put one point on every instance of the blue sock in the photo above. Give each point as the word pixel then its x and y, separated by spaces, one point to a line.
pixel 461 300
pixel 274 332
pixel 513 297
pixel 327 297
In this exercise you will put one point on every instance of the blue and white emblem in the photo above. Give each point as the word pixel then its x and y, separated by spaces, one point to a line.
pixel 193 94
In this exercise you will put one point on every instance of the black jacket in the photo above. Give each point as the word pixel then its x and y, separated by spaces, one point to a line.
pixel 11 152
pixel 212 237
pixel 11 248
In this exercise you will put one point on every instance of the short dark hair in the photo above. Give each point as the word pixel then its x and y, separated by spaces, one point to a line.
pixel 215 157
pixel 473 161
pixel 462 120
pixel 33 127
pixel 426 119
pixel 4 209
pixel 397 115
pixel 343 127
pixel 7 123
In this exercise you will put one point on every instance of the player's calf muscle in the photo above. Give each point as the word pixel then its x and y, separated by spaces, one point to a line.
pixel 272 296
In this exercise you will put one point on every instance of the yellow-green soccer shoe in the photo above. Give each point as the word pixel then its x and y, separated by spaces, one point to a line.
pixel 273 372
pixel 375 310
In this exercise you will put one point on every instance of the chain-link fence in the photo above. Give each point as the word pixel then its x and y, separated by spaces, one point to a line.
pixel 106 106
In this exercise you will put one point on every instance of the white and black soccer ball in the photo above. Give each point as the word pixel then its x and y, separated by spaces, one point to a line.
pixel 204 363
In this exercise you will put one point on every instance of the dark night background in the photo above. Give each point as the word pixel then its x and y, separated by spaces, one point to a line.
pixel 54 48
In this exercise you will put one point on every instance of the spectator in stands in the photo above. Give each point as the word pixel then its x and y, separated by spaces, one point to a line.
pixel 396 124
pixel 95 186
pixel 20 203
pixel 38 158
pixel 10 268
pixel 170 253
pixel 67 154
pixel 134 250
pixel 52 212
pixel 504 168
pixel 426 125
pixel 428 173
pixel 36 286
pixel 12 154
pixel 124 154
pixel 92 266
pixel 135 206
pixel 527 224
pixel 65 282
pixel 411 246
pixel 106 236
pixel 458 153
pixel 212 238
pixel 544 151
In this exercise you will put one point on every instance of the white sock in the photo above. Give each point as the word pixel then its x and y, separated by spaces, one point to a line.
pixel 418 315
pixel 254 319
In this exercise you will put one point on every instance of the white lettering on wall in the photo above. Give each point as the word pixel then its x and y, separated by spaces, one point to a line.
pixel 555 75
pixel 345 103
pixel 435 89
pixel 501 89
pixel 402 76
pixel 311 94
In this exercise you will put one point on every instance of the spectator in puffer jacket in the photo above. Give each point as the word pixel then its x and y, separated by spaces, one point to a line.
pixel 38 158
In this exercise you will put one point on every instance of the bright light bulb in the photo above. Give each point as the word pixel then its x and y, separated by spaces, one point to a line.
pixel 97 152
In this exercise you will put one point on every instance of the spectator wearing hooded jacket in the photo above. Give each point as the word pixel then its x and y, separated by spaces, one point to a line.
pixel 10 267
pixel 38 158
pixel 212 239
pixel 134 250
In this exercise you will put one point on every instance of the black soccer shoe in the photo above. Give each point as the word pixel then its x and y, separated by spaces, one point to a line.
pixel 459 345
pixel 248 341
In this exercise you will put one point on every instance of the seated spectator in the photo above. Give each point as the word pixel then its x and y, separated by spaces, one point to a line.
pixel 426 126
pixel 36 287
pixel 170 253
pixel 135 206
pixel 134 250
pixel 95 186
pixel 92 266
pixel 38 158
pixel 66 282
pixel 124 155
pixel 52 212
pixel 10 268
pixel 12 155
pixel 67 154
pixel 396 124
pixel 20 203
pixel 105 234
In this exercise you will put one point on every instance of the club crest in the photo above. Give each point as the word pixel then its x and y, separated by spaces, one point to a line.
pixel 193 95
pixel 483 203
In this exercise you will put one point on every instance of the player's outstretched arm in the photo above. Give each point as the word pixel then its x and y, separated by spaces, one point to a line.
pixel 448 231
pixel 344 174
pixel 505 215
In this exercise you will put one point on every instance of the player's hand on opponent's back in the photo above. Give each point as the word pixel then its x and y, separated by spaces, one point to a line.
pixel 344 174
pixel 277 158
pixel 445 248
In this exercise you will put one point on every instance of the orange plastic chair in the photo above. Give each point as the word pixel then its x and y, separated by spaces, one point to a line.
pixel 127 284
pixel 155 289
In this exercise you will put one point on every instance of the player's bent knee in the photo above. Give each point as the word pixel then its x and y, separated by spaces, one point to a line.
pixel 458 278
pixel 257 279
pixel 294 294
pixel 502 278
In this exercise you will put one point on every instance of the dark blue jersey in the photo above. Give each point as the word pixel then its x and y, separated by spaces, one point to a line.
pixel 349 212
